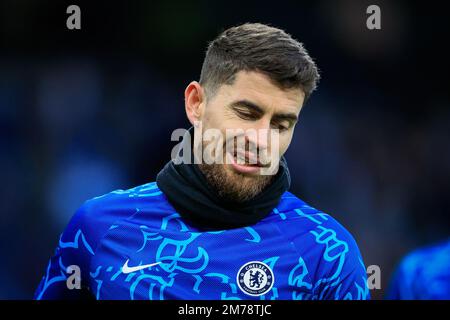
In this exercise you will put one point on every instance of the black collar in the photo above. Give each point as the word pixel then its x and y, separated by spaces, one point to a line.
pixel 188 191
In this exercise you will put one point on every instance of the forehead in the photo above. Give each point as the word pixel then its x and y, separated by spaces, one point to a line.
pixel 259 89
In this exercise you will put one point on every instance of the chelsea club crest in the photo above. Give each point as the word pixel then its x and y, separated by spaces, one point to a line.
pixel 255 278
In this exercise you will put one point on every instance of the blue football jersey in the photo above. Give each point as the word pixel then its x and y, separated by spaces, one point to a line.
pixel 132 244
pixel 424 274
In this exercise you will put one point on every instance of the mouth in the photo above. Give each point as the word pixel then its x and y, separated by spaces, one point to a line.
pixel 244 162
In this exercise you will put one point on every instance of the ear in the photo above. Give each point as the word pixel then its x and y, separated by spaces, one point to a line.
pixel 194 101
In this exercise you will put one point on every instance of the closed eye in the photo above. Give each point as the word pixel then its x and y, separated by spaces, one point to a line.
pixel 281 126
pixel 247 110
pixel 246 115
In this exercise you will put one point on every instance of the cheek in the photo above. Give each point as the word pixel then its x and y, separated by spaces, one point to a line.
pixel 209 121
pixel 212 117
pixel 285 141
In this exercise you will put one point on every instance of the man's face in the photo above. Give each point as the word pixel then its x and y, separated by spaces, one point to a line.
pixel 251 104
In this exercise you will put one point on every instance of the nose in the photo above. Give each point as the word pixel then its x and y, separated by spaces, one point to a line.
pixel 261 139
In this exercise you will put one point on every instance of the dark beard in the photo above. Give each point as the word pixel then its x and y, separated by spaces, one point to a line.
pixel 233 186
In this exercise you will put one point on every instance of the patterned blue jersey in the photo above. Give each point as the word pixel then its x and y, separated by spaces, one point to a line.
pixel 132 244
pixel 423 274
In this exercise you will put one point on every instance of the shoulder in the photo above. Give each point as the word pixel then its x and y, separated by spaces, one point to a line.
pixel 299 215
pixel 438 260
pixel 119 203
pixel 414 279
pixel 437 251
pixel 327 246
pixel 97 215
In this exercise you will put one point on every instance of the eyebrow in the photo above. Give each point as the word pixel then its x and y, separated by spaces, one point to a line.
pixel 248 105
pixel 289 116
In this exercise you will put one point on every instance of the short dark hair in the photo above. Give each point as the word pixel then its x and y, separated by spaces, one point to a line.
pixel 258 47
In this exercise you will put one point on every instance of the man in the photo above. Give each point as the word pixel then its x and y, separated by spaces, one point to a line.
pixel 220 230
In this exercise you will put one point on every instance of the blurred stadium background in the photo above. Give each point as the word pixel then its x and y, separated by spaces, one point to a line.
pixel 86 112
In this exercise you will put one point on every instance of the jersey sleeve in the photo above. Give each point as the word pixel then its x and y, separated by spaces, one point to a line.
pixel 342 275
pixel 75 250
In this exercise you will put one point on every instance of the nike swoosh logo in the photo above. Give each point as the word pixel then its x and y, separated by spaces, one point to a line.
pixel 126 269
